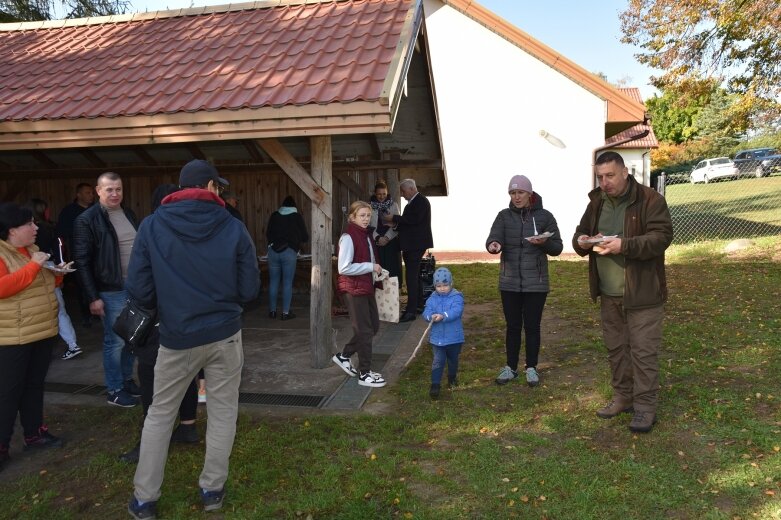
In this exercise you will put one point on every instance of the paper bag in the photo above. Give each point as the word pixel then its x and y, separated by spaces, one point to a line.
pixel 388 299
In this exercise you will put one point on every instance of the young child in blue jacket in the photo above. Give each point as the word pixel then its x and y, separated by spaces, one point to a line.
pixel 444 308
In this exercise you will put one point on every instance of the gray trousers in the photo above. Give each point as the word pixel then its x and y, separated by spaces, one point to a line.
pixel 175 369
pixel 633 338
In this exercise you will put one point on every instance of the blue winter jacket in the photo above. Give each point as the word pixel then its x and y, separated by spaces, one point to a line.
pixel 450 330
pixel 197 264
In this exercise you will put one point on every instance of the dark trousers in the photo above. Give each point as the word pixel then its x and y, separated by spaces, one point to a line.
pixel 188 410
pixel 23 371
pixel 366 323
pixel 523 312
pixel 414 289
pixel 390 258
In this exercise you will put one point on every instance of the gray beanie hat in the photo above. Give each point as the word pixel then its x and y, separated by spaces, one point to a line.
pixel 520 182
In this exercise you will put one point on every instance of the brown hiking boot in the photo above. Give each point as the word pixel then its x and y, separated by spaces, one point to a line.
pixel 613 408
pixel 642 422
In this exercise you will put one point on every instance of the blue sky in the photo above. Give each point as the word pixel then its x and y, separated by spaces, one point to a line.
pixel 586 31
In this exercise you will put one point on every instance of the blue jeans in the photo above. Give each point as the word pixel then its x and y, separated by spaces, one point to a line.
pixel 281 266
pixel 445 355
pixel 117 361
pixel 67 333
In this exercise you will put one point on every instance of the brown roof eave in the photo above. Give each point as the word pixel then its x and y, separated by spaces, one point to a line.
pixel 288 121
pixel 619 107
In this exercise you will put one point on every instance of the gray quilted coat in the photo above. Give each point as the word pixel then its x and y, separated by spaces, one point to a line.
pixel 524 266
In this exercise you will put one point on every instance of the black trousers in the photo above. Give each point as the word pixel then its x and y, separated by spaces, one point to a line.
pixel 523 312
pixel 188 410
pixel 390 258
pixel 23 371
pixel 414 289
pixel 366 323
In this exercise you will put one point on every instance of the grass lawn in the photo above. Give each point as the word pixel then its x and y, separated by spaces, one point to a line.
pixel 725 209
pixel 484 451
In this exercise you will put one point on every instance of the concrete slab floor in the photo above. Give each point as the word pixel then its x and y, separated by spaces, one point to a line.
pixel 277 360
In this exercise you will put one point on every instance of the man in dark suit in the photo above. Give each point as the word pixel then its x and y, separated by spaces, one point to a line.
pixel 414 227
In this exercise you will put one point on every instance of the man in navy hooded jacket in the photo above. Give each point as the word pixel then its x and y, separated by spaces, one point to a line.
pixel 196 264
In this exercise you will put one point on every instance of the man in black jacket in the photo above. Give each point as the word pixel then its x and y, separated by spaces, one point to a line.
pixel 197 264
pixel 102 240
pixel 414 227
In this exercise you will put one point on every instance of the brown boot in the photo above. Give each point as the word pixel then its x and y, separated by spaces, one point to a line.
pixel 642 422
pixel 613 408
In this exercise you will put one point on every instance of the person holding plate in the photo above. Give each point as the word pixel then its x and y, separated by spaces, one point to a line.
pixel 625 231
pixel 28 330
pixel 525 234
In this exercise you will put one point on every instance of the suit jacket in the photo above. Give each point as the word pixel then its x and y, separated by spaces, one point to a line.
pixel 414 225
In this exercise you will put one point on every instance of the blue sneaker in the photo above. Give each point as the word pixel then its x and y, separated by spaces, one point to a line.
pixel 121 398
pixel 212 500
pixel 145 511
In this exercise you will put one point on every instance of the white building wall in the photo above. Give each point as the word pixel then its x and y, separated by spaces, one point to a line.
pixel 638 163
pixel 493 100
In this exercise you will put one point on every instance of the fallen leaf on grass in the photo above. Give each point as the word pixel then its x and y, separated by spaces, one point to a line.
pixel 524 499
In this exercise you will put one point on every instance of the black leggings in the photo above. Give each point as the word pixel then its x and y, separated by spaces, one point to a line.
pixel 23 371
pixel 188 410
pixel 523 311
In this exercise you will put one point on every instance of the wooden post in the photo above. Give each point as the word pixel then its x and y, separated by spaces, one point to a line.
pixel 320 329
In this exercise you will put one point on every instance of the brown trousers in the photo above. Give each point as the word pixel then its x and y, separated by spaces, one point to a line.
pixel 366 323
pixel 633 338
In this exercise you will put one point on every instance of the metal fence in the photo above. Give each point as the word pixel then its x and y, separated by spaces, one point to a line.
pixel 740 204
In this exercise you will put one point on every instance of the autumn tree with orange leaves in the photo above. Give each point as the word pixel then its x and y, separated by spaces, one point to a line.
pixel 734 41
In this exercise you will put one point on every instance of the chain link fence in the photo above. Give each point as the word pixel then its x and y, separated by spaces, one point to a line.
pixel 733 205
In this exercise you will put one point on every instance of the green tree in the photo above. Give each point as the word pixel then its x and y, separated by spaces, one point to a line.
pixel 735 42
pixel 35 10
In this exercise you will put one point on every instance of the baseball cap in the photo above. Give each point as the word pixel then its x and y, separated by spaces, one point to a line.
pixel 198 173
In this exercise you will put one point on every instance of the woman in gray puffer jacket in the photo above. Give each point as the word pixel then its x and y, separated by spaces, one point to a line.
pixel 523 272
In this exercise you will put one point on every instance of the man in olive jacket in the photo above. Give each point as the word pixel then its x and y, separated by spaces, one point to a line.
pixel 625 231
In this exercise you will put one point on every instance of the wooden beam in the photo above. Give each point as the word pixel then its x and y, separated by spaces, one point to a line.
pixel 298 174
pixel 44 159
pixel 353 186
pixel 320 330
pixel 196 151
pixel 93 158
pixel 141 152
pixel 253 151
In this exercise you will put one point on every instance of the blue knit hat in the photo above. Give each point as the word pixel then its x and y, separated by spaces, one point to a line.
pixel 442 275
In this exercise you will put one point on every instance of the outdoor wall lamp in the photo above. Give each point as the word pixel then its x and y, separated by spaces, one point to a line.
pixel 552 139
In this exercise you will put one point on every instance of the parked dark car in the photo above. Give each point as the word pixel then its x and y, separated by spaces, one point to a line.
pixel 757 162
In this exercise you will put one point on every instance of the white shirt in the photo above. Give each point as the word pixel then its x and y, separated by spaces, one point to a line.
pixel 345 263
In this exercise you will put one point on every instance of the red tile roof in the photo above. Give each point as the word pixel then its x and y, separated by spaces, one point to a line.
pixel 648 141
pixel 207 59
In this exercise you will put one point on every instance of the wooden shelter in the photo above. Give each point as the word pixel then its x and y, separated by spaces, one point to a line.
pixel 318 99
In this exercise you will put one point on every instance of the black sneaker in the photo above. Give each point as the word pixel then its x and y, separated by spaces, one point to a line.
pixel 122 399
pixel 452 382
pixel 371 379
pixel 345 364
pixel 185 434
pixel 131 457
pixel 44 439
pixel 132 388
pixel 145 511
pixel 71 353
pixel 434 391
pixel 212 500
pixel 287 316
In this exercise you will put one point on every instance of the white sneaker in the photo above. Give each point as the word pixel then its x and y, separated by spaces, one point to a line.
pixel 72 353
pixel 532 377
pixel 372 379
pixel 345 364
